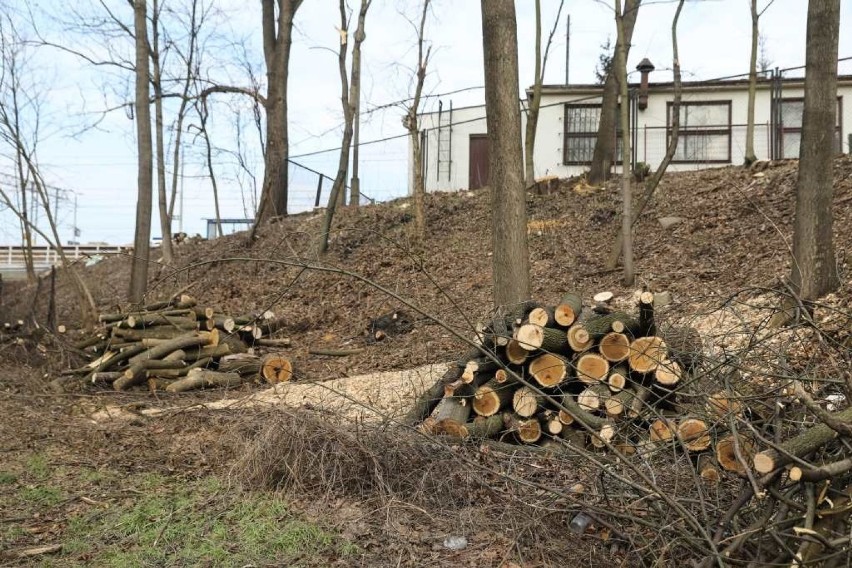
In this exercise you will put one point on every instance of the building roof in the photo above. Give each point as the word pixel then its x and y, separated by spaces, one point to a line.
pixel 733 83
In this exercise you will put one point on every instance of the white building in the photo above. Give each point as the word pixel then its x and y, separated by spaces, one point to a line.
pixel 712 128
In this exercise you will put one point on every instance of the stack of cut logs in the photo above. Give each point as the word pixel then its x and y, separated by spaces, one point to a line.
pixel 177 345
pixel 584 375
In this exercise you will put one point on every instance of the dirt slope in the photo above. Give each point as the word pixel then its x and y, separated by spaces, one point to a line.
pixel 735 233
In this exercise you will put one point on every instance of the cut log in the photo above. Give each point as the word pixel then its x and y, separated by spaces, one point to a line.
pixel 543 316
pixel 274 343
pixel 565 417
pixel 723 403
pixel 578 338
pixel 616 405
pixel 276 368
pixel 526 430
pixel 726 453
pixel 604 436
pixel 646 353
pixel 568 310
pixel 526 402
pixel 549 370
pixel 684 346
pixel 668 373
pixel 619 322
pixel 516 354
pixel 478 371
pixel 224 323
pixel 552 424
pixel 614 346
pixel 491 397
pixel 459 389
pixel 617 378
pixel 591 368
pixel 694 434
pixel 450 416
pixel 149 320
pixel 603 297
pixel 533 337
pixel 244 364
pixel 202 378
pixel 639 404
pixel 808 441
pixel 181 342
pixel 707 469
pixel 156 332
pixel 106 377
pixel 482 427
pixel 662 430
pixel 647 324
pixel 592 398
pixel 506 378
pixel 136 373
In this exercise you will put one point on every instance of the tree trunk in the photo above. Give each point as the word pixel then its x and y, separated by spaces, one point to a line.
pixel 410 122
pixel 350 91
pixel 157 86
pixel 605 143
pixel 750 158
pixel 626 189
pixel 142 238
pixel 814 270
pixel 510 271
pixel 534 104
pixel 277 40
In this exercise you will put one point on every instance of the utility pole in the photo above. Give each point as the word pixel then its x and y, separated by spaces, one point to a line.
pixel 567 46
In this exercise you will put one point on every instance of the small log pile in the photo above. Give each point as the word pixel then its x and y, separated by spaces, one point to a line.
pixel 592 377
pixel 177 345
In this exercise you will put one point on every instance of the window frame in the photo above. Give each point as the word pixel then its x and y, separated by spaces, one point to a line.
pixel 701 131
pixel 566 134
pixel 782 130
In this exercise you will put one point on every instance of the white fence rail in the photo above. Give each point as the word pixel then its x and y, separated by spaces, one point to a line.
pixel 12 258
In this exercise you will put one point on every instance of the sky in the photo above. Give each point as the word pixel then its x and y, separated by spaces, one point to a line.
pixel 89 154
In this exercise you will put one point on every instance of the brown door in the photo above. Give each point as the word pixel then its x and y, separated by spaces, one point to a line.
pixel 478 161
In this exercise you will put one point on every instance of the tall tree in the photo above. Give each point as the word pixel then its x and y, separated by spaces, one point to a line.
pixel 605 143
pixel 624 119
pixel 350 91
pixel 535 99
pixel 511 268
pixel 814 271
pixel 410 122
pixel 277 24
pixel 144 157
pixel 654 181
pixel 750 156
pixel 157 87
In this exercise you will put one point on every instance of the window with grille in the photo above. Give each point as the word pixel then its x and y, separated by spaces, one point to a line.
pixel 581 133
pixel 791 126
pixel 705 132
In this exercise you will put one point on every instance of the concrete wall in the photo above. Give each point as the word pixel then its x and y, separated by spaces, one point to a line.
pixel 651 138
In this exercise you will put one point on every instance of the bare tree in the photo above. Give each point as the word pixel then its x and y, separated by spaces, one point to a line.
pixel 535 99
pixel 814 271
pixel 19 126
pixel 605 143
pixel 624 119
pixel 654 181
pixel 750 156
pixel 142 233
pixel 157 87
pixel 510 272
pixel 411 124
pixel 277 24
pixel 12 91
pixel 349 94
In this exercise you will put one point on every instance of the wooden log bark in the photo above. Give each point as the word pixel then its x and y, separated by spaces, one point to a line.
pixel 549 370
pixel 483 427
pixel 526 402
pixel 568 310
pixel 591 368
pixel 491 398
pixel 616 321
pixel 526 430
pixel 685 346
pixel 647 323
pixel 707 469
pixel 726 453
pixel 646 353
pixel 515 353
pixel 578 338
pixel 202 378
pixel 694 434
pixel 181 342
pixel 614 346
pixel 639 404
pixel 242 364
pixel 156 332
pixel 662 430
pixel 542 316
pixel 799 446
pixel 532 337
pixel 451 415
pixel 592 398
pixel 155 320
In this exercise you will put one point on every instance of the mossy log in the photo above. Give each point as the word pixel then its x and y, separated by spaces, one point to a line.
pixel 482 427
pixel 599 326
pixel 808 441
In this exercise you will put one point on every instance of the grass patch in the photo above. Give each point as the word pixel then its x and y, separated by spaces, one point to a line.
pixel 41 495
pixel 7 478
pixel 197 523
pixel 38 467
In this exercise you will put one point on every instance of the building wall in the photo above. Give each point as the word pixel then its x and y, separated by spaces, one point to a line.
pixel 651 137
